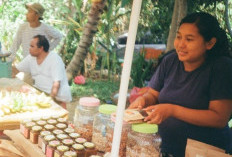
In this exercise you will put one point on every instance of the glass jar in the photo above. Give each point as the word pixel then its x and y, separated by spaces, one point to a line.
pixel 143 140
pixel 68 142
pixel 79 149
pixel 34 133
pixel 84 115
pixel 59 152
pixel 45 142
pixel 100 123
pixel 27 130
pixel 124 135
pixel 90 149
pixel 41 137
pixel 23 125
pixel 52 147
pixel 70 154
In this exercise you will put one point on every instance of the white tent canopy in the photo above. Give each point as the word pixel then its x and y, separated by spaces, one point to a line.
pixel 125 76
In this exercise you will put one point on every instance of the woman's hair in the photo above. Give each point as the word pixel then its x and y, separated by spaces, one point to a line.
pixel 209 27
pixel 42 41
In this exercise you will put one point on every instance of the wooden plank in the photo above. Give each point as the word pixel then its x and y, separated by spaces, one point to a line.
pixel 30 149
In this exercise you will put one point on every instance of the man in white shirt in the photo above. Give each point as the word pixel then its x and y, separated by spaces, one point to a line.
pixel 33 27
pixel 47 70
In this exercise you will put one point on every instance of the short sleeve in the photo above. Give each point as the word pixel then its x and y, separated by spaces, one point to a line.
pixel 221 79
pixel 58 70
pixel 157 80
pixel 24 65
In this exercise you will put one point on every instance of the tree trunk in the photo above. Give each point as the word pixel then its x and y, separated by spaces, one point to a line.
pixel 86 40
pixel 227 17
pixel 179 11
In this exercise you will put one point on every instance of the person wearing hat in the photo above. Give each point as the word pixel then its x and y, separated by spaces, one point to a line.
pixel 33 27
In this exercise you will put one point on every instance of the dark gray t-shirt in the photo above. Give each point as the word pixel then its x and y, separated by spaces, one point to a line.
pixel 211 81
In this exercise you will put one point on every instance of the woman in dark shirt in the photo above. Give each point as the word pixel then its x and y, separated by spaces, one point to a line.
pixel 192 87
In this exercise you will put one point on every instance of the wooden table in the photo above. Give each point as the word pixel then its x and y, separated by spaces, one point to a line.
pixel 12 121
pixel 24 145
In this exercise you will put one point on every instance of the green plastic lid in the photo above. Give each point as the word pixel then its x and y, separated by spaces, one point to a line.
pixel 145 128
pixel 107 108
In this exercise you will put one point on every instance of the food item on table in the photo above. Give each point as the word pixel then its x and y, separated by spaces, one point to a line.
pixel 15 102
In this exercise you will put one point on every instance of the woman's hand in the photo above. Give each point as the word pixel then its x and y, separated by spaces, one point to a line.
pixel 158 113
pixel 139 103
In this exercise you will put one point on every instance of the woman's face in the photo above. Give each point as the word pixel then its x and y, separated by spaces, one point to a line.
pixel 190 45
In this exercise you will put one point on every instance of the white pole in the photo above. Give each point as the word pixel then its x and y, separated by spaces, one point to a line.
pixel 125 76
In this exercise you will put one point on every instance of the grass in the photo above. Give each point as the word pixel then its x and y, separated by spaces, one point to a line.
pixel 101 89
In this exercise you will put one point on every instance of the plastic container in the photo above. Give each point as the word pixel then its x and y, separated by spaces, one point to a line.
pixel 143 140
pixel 110 133
pixel 101 120
pixel 84 115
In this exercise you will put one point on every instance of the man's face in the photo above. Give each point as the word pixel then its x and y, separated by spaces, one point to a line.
pixel 34 49
pixel 32 15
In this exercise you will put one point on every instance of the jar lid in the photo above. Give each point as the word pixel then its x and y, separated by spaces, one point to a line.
pixel 70 154
pixel 30 124
pixel 36 128
pixel 145 128
pixel 80 140
pixel 67 141
pixel 69 130
pixel 54 143
pixel 74 135
pixel 41 122
pixel 56 116
pixel 89 145
pixel 78 146
pixel 61 125
pixel 89 101
pixel 63 148
pixel 49 127
pixel 26 121
pixel 51 121
pixel 35 119
pixel 45 117
pixel 62 120
pixel 107 109
pixel 57 131
pixel 62 136
pixel 44 133
pixel 49 137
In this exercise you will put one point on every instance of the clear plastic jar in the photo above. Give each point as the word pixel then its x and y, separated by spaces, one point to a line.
pixel 143 140
pixel 110 133
pixel 101 120
pixel 84 115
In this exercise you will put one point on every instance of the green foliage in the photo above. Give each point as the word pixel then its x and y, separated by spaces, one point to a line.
pixel 142 70
pixel 102 89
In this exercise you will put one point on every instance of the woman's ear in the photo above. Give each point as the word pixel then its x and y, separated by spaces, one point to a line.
pixel 211 43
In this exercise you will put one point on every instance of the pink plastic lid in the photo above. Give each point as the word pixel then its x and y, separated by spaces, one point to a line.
pixel 89 101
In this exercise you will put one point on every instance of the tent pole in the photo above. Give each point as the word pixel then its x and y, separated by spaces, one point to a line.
pixel 134 18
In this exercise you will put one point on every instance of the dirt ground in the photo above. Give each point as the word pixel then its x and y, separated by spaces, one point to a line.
pixel 71 109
